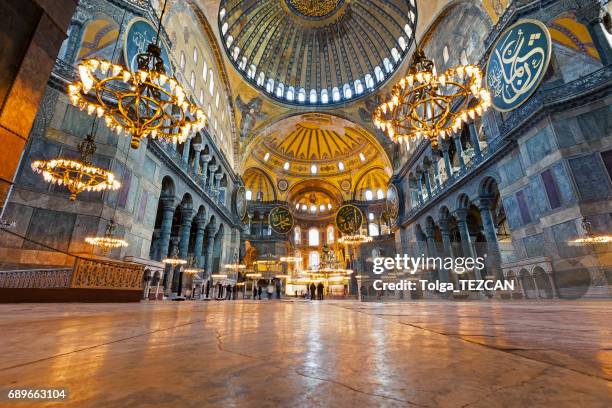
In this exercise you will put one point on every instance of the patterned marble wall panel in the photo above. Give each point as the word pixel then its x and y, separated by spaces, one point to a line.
pixel 564 183
pixel 539 146
pixel 21 215
pixel 590 177
pixel 562 233
pixel 522 197
pixel 511 171
pixel 596 124
pixel 535 245
pixel 512 212
pixel 39 149
pixel 52 228
pixel 601 223
pixel 76 122
pixel 567 132
pixel 536 199
pixel 84 227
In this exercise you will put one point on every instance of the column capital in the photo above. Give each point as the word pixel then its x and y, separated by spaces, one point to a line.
pixel 213 168
pixel 444 145
pixel 461 214
pixel 167 202
pixel 197 147
pixel 430 231
pixel 485 203
pixel 206 158
pixel 200 221
pixel 218 176
pixel 443 223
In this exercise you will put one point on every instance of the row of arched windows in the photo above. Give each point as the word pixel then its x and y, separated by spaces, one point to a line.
pixel 314 236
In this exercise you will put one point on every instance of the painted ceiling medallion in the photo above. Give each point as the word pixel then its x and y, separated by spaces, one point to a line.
pixel 317 52
pixel 314 8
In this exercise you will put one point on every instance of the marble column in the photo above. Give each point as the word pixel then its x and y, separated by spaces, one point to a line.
pixel 420 186
pixel 447 163
pixel 466 240
pixel 169 272
pixel 474 139
pixel 446 244
pixel 199 240
pixel 218 178
pixel 167 204
pixel 591 14
pixel 459 149
pixel 261 225
pixel 211 179
pixel 427 182
pixel 197 147
pixel 186 148
pixel 488 225
pixel 206 158
pixel 186 220
pixel 211 230
pixel 436 171
pixel 432 250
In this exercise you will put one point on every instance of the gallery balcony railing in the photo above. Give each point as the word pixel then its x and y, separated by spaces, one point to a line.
pixel 540 103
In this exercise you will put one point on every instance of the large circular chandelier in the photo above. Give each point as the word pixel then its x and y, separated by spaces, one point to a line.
pixel 77 175
pixel 174 260
pixel 142 103
pixel 424 104
pixel 354 240
pixel 108 241
pixel 590 238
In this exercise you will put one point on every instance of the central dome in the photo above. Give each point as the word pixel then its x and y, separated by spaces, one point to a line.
pixel 317 53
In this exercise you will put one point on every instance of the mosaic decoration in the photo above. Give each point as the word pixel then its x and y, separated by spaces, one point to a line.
pixel 283 185
pixel 280 220
pixel 349 219
pixel 240 202
pixel 140 34
pixel 314 8
pixel 518 63
pixel 392 203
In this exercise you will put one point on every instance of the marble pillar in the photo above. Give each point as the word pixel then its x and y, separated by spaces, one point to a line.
pixel 197 147
pixel 466 240
pixel 420 186
pixel 426 174
pixel 488 225
pixel 199 240
pixel 432 250
pixel 447 164
pixel 206 158
pixel 474 139
pixel 459 148
pixel 446 244
pixel 167 204
pixel 211 180
pixel 211 230
pixel 436 171
pixel 186 148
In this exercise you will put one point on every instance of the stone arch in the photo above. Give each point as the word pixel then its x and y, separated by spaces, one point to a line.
pixel 529 284
pixel 168 188
pixel 373 179
pixel 463 201
pixel 260 184
pixel 545 289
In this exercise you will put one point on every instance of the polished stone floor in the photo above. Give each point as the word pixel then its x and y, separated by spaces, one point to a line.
pixel 294 354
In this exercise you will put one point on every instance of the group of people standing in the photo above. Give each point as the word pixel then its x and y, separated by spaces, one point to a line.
pixel 316 292
pixel 271 290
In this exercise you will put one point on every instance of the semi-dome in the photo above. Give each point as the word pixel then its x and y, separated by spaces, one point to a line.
pixel 317 53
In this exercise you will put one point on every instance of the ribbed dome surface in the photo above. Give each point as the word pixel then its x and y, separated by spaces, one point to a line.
pixel 305 52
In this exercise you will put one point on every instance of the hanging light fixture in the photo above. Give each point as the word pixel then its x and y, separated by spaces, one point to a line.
pixel 77 175
pixel 142 103
pixel 424 104
pixel 590 238
pixel 354 240
pixel 107 241
pixel 191 268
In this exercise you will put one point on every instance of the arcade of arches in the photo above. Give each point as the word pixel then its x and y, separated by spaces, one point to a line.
pixel 295 188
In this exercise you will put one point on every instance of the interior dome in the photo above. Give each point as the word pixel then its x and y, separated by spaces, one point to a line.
pixel 305 52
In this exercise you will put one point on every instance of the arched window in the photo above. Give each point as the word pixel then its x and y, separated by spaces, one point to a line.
pixel 369 81
pixel 192 80
pixel 290 93
pixel 261 79
pixel 373 230
pixel 408 30
pixel 211 82
pixel 236 53
pixel 335 94
pixel 313 260
pixel 224 28
pixel 330 234
pixel 201 96
pixel 402 42
pixel 379 74
pixel 464 60
pixel 388 65
pixel 182 61
pixel 195 55
pixel 270 85
pixel 313 237
pixel 297 235
pixel 249 195
pixel 251 71
pixel 302 95
pixel 347 91
pixel 380 194
pixel 280 90
pixel 445 54
pixel 243 63
pixel 217 100
pixel 313 96
pixel 358 87
pixel 229 41
pixel 395 54
pixel 205 71
pixel 368 195
pixel 324 96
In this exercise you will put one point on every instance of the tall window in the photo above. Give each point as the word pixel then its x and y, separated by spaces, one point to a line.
pixel 297 235
pixel 330 234
pixel 313 237
pixel 380 194
pixel 373 229
pixel 368 195
pixel 249 195
pixel 313 260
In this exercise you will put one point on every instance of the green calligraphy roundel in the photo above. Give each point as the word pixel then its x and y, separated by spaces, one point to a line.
pixel 518 63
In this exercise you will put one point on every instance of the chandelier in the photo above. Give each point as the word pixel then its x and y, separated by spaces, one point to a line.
pixel 234 266
pixel 424 104
pixel 77 175
pixel 7 224
pixel 354 240
pixel 142 103
pixel 107 241
pixel 589 237
pixel 253 275
pixel 218 276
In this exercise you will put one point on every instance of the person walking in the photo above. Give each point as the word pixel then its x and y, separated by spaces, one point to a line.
pixel 254 292
pixel 320 288
pixel 259 292
pixel 270 290
pixel 313 289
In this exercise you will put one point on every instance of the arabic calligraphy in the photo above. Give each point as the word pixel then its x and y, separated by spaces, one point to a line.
pixel 280 220
pixel 349 219
pixel 392 203
pixel 518 64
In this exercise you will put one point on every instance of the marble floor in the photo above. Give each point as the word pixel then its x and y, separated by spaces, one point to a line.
pixel 297 353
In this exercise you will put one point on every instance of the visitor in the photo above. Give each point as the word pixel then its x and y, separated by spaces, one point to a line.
pixel 259 292
pixel 270 291
pixel 254 292
pixel 320 291
pixel 312 291
pixel 228 292
pixel 278 290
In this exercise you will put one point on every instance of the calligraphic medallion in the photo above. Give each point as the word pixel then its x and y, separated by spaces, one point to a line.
pixel 392 203
pixel 240 202
pixel 349 219
pixel 518 63
pixel 280 220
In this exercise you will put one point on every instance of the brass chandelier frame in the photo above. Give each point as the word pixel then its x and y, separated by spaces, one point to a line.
pixel 424 104
pixel 108 241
